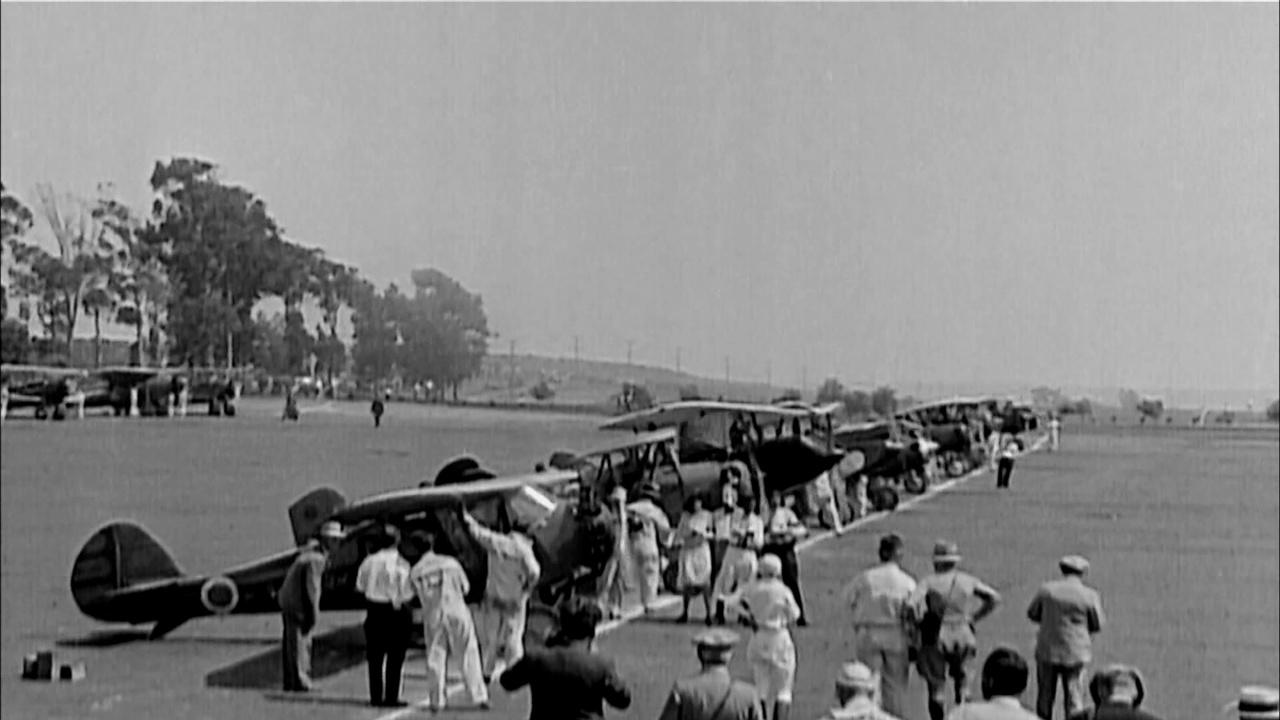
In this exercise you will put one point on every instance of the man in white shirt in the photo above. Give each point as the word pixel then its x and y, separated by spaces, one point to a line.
pixel 1055 432
pixel 772 653
pixel 782 531
pixel 740 559
pixel 513 574
pixel 383 579
pixel 1004 678
pixel 447 628
pixel 876 599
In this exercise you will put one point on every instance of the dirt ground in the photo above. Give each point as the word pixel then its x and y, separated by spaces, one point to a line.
pixel 1182 526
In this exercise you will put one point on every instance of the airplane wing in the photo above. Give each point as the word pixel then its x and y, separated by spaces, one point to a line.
pixel 43 371
pixel 415 500
pixel 667 434
pixel 127 375
pixel 674 414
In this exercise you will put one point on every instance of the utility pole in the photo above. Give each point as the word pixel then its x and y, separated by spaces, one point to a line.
pixel 630 343
pixel 511 379
pixel 804 379
pixel 726 375
pixel 677 358
pixel 575 349
pixel 768 374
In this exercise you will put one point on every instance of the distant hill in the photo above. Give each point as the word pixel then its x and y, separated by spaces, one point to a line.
pixel 592 382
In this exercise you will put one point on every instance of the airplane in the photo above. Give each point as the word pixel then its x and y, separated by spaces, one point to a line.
pixel 889 453
pixel 48 390
pixel 947 423
pixel 714 433
pixel 123 574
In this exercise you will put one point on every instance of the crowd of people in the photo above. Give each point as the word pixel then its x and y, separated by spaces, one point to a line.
pixel 743 567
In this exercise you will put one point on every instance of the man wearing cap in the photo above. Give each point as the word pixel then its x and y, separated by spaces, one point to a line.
pixel 713 694
pixel 856 687
pixel 447 628
pixel 513 573
pixel 1069 613
pixel 299 599
pixel 771 608
pixel 877 600
pixel 1117 693
pixel 944 604
pixel 383 580
pixel 1257 703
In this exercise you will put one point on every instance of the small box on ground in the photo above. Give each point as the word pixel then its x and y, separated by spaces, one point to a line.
pixel 71 672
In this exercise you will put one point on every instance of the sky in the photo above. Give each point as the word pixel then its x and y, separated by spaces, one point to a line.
pixel 1066 194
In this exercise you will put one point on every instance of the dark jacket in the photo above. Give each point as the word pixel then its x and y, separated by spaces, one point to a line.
pixel 299 594
pixel 567 683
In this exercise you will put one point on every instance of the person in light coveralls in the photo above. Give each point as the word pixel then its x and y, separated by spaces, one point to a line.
pixel 447 629
pixel 856 688
pixel 513 574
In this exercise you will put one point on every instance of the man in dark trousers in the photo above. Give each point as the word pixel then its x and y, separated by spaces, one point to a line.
pixel 377 410
pixel 383 579
pixel 299 599
pixel 781 533
pixel 567 679
pixel 1004 463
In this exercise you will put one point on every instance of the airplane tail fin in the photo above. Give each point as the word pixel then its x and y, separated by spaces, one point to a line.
pixel 118 556
pixel 311 510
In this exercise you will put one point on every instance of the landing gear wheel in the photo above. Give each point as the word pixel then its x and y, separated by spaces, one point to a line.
pixel 884 498
pixel 915 482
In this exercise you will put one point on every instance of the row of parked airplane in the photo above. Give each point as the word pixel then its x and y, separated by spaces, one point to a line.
pixel 50 392
pixel 124 575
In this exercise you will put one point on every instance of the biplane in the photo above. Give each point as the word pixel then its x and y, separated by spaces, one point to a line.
pixel 50 390
pixel 123 574
pixel 955 424
pixel 781 445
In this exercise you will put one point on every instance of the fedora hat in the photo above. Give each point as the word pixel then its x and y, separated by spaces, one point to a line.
pixel 1075 564
pixel 331 529
pixel 1117 682
pixel 1257 702
pixel 945 551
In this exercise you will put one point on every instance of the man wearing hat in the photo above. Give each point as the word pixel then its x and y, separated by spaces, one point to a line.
pixel 856 688
pixel 877 599
pixel 1069 613
pixel 944 603
pixel 713 694
pixel 772 653
pixel 299 600
pixel 1117 694
pixel 513 574
pixel 1257 703
pixel 383 580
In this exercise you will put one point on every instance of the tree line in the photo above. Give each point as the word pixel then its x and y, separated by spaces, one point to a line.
pixel 188 275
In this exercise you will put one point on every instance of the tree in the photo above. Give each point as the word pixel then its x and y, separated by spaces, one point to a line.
pixel 137 281
pixel 376 319
pixel 831 390
pixel 883 401
pixel 446 334
pixel 15 341
pixel 83 242
pixel 96 301
pixel 857 402
pixel 1273 411
pixel 333 285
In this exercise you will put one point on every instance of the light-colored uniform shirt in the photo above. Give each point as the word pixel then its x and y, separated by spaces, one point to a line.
pixel 513 567
pixel 383 577
pixel 724 519
pixel 441 585
pixel 1069 613
pixel 771 604
pixel 784 524
pixel 997 708
pixel 698 697
pixel 876 597
pixel 859 708
pixel 956 594
pixel 748 532
pixel 652 523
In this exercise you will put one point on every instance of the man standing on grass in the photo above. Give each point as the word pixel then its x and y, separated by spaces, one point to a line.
pixel 447 628
pixel 383 580
pixel 876 599
pixel 1069 613
pixel 299 599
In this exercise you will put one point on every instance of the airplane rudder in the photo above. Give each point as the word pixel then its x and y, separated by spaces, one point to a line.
pixel 308 512
pixel 116 556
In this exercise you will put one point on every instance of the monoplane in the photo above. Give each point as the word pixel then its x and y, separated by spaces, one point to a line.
pixel 123 574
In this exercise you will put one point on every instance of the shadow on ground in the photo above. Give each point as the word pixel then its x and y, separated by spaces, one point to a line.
pixel 112 638
pixel 331 653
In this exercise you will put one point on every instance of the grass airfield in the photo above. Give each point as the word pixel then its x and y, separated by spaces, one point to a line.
pixel 1182 526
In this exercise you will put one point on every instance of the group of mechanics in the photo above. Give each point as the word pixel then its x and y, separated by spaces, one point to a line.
pixel 389 581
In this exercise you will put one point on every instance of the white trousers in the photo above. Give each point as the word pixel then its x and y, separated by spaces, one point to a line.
pixel 773 665
pixel 737 569
pixel 647 571
pixel 501 631
pixel 453 636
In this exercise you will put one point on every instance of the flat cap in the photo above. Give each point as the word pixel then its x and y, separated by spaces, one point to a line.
pixel 716 639
pixel 1074 563
pixel 858 676
pixel 946 551
pixel 331 529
